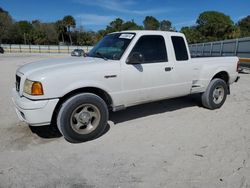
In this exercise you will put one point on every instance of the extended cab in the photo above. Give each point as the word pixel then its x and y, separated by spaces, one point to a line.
pixel 123 69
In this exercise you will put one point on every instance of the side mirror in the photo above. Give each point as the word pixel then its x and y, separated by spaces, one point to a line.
pixel 135 58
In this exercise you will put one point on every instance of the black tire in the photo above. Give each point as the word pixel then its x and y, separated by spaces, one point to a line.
pixel 215 95
pixel 82 117
pixel 1 50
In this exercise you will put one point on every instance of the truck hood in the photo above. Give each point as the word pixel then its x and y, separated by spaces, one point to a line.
pixel 67 74
pixel 56 64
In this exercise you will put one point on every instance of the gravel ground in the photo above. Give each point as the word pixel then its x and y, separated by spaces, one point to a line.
pixel 171 143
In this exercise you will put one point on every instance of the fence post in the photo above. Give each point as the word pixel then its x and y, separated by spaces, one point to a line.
pixel 203 46
pixel 29 48
pixel 58 49
pixel 190 47
pixel 236 47
pixel 48 48
pixel 10 47
pixel 196 49
pixel 211 49
pixel 221 47
pixel 20 50
pixel 68 49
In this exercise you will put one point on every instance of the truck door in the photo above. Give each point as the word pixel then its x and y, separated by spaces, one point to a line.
pixel 183 70
pixel 149 79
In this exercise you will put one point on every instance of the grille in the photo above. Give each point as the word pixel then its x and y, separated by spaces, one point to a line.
pixel 18 79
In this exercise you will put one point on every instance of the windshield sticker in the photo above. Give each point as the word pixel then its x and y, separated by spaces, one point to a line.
pixel 126 36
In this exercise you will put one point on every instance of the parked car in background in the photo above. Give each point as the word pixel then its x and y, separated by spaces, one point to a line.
pixel 77 52
pixel 1 50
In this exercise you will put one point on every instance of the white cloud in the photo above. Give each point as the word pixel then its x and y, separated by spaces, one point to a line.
pixel 106 4
pixel 147 12
pixel 186 23
pixel 122 6
pixel 94 19
pixel 118 7
pixel 236 19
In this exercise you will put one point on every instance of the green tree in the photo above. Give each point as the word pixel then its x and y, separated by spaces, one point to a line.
pixel 244 25
pixel 61 30
pixel 38 35
pixel 131 25
pixel 5 25
pixel 151 23
pixel 86 38
pixel 50 32
pixel 215 26
pixel 166 25
pixel 14 35
pixel 192 34
pixel 116 25
pixel 236 32
pixel 69 22
pixel 100 34
pixel 25 29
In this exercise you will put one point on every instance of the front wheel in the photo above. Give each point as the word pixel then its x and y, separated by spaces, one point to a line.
pixel 215 95
pixel 82 117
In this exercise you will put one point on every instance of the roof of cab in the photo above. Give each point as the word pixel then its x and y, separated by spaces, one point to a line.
pixel 150 32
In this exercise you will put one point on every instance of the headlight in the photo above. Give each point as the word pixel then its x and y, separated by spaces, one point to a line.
pixel 33 87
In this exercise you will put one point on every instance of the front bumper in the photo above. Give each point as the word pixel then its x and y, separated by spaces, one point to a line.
pixel 35 113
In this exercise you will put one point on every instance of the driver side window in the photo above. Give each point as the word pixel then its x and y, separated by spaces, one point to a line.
pixel 152 49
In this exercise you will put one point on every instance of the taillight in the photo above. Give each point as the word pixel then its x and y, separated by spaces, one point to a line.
pixel 238 67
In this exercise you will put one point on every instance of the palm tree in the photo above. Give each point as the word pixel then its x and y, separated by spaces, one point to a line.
pixel 60 28
pixel 69 22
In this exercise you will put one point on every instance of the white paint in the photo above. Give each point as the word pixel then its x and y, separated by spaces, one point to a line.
pixel 133 84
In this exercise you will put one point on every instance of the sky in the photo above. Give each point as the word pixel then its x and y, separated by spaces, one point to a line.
pixel 97 14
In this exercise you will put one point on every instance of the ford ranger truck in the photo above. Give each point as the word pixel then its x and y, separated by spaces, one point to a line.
pixel 124 69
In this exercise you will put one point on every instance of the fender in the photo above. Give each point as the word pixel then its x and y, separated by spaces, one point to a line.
pixel 79 85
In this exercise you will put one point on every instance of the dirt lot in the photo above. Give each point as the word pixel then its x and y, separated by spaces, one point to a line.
pixel 172 143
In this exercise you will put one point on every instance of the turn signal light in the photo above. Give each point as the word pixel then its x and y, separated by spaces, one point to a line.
pixel 37 89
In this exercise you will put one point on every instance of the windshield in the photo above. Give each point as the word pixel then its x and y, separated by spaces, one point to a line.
pixel 112 46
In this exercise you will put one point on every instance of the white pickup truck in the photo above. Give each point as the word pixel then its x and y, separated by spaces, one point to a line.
pixel 124 69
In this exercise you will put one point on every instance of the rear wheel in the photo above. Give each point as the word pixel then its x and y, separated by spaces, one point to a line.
pixel 82 117
pixel 215 95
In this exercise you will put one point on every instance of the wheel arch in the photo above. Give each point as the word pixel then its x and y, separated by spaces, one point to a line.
pixel 222 75
pixel 94 90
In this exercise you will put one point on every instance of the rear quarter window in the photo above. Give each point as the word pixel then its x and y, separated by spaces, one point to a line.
pixel 180 48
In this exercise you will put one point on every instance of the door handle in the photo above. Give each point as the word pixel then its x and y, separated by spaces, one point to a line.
pixel 168 68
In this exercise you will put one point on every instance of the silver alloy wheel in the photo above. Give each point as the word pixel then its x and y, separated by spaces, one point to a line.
pixel 85 118
pixel 218 94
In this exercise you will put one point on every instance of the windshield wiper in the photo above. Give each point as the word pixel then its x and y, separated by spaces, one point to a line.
pixel 101 56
